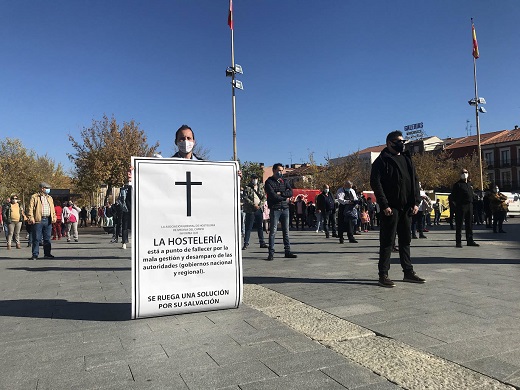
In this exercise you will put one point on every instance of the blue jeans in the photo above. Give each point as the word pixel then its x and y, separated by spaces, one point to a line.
pixel 39 230
pixel 257 218
pixel 283 217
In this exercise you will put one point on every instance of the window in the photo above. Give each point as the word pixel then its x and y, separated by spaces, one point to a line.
pixel 488 158
pixel 505 157
pixel 505 177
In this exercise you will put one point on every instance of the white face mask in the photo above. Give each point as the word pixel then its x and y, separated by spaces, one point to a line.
pixel 255 182
pixel 185 146
pixel 326 190
pixel 464 176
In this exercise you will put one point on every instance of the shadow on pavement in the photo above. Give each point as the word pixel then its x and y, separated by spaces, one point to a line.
pixel 63 309
pixel 44 269
pixel 461 260
pixel 275 279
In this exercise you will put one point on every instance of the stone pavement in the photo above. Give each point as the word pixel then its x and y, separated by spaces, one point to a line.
pixel 316 322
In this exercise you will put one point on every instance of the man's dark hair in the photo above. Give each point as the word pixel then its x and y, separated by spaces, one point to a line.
pixel 393 135
pixel 183 127
pixel 275 166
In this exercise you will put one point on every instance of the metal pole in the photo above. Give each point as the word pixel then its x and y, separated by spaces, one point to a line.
pixel 233 96
pixel 478 124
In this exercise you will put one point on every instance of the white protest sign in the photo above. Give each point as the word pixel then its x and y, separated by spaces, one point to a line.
pixel 186 227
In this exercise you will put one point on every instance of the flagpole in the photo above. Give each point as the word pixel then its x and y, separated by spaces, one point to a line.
pixel 477 120
pixel 233 96
pixel 233 72
pixel 478 124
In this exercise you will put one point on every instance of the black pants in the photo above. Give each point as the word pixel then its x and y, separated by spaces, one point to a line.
pixel 464 213
pixel 345 224
pixel 300 218
pixel 398 222
pixel 125 226
pixel 498 220
pixel 326 217
pixel 418 223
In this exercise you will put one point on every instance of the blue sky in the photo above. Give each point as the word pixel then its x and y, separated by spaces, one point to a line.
pixel 328 77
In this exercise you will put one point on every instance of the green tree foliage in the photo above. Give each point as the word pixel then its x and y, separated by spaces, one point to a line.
pixel 351 167
pixel 103 154
pixel 249 169
pixel 22 170
pixel 438 171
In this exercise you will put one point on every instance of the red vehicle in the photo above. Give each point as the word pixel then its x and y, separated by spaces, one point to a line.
pixel 308 195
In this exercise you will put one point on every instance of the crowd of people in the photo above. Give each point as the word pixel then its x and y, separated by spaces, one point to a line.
pixel 399 208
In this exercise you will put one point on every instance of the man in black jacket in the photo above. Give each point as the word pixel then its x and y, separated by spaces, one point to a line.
pixel 394 182
pixel 462 199
pixel 325 206
pixel 278 191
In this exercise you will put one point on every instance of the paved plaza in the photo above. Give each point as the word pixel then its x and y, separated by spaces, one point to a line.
pixel 316 322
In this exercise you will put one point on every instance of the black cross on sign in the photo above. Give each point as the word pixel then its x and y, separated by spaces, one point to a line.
pixel 188 183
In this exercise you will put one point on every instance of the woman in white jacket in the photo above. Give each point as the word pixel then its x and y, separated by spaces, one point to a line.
pixel 70 216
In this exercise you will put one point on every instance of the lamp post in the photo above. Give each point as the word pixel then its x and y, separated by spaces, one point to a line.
pixel 235 84
pixel 475 102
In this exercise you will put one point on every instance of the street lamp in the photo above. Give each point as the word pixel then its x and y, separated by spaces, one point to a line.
pixel 475 102
pixel 231 71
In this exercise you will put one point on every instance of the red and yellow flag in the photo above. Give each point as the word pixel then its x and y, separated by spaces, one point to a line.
pixel 475 43
pixel 230 16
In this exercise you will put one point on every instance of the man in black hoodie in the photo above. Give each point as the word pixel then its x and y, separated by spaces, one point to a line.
pixel 394 182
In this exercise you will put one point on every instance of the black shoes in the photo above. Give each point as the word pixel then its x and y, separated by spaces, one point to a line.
pixel 385 282
pixel 290 255
pixel 33 258
pixel 473 243
pixel 421 236
pixel 412 277
pixel 414 236
pixel 341 241
pixel 501 231
pixel 270 257
pixel 245 247
pixel 353 241
pixel 264 245
pixel 48 256
pixel 458 245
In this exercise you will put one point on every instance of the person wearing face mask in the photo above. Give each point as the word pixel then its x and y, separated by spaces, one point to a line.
pixel 254 199
pixel 13 216
pixel 498 204
pixel 278 190
pixel 41 215
pixel 396 188
pixel 70 215
pixel 462 199
pixel 185 141
pixel 347 215
pixel 325 206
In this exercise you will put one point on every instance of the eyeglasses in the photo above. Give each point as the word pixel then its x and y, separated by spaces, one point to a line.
pixel 399 141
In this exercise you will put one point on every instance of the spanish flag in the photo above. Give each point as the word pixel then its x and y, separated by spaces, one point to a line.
pixel 475 43
pixel 230 16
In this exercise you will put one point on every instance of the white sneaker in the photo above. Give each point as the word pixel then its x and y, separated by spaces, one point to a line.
pixel 124 246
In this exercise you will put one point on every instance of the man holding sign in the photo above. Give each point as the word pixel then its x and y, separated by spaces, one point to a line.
pixel 188 259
